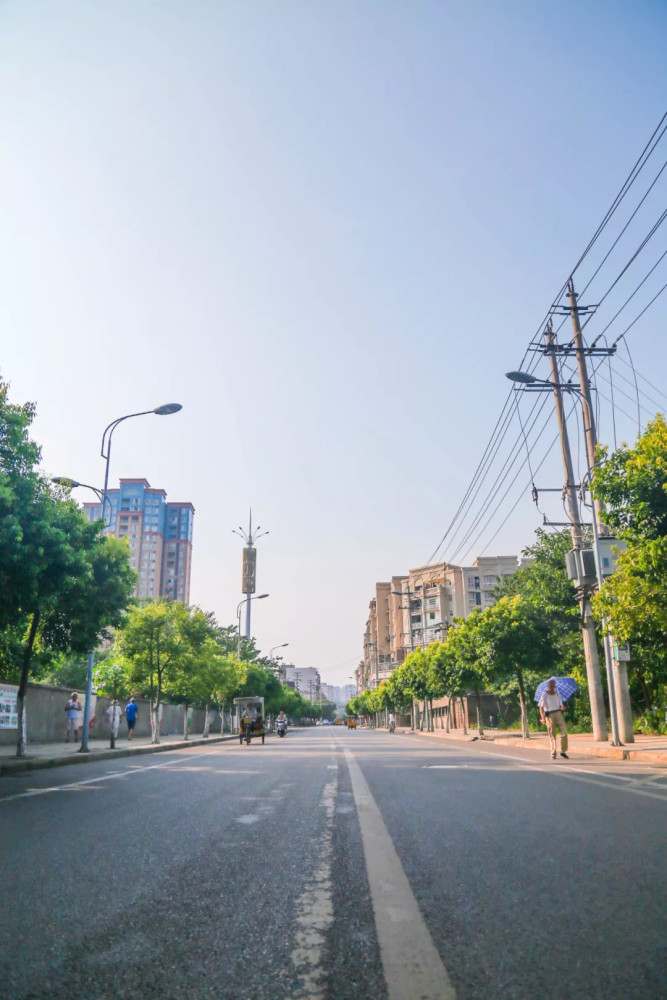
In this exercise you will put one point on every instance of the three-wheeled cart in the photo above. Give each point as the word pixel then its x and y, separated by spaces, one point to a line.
pixel 249 719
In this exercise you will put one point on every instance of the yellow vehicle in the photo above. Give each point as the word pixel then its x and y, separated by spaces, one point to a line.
pixel 351 723
pixel 338 721
pixel 249 718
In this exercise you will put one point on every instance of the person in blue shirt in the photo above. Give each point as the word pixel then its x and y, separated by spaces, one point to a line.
pixel 131 714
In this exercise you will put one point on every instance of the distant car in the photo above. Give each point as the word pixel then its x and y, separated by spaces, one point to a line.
pixel 325 722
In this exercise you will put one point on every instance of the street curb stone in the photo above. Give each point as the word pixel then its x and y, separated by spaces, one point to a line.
pixel 611 753
pixel 24 764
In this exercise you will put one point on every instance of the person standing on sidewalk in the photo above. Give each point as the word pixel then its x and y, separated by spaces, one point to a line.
pixel 131 714
pixel 73 707
pixel 114 713
pixel 551 710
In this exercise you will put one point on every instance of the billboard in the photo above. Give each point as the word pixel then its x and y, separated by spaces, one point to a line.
pixel 8 706
pixel 249 568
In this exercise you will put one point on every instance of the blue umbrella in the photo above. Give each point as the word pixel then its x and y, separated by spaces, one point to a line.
pixel 566 687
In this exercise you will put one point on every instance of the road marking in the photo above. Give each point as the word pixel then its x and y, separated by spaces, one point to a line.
pixel 411 963
pixel 248 819
pixel 314 909
pixel 444 767
pixel 136 769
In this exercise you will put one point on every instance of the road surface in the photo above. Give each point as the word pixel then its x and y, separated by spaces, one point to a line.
pixel 335 864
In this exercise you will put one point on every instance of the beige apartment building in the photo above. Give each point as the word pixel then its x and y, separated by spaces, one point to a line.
pixel 417 609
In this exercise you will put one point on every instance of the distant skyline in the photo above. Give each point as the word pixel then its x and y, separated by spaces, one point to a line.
pixel 327 230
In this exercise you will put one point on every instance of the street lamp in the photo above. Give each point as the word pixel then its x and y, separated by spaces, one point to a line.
pixel 281 646
pixel 536 384
pixel 161 411
pixel 245 600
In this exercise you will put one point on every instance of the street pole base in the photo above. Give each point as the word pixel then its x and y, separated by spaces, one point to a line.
pixel 83 749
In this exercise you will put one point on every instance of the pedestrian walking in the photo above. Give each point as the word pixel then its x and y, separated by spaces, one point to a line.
pixel 72 708
pixel 551 710
pixel 131 714
pixel 114 712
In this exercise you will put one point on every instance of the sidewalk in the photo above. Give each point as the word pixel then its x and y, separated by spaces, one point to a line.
pixel 645 749
pixel 59 754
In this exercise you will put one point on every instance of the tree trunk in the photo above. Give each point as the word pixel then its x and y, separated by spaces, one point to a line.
pixel 155 718
pixel 447 714
pixel 480 727
pixel 463 717
pixel 207 721
pixel 431 724
pixel 413 715
pixel 20 700
pixel 185 721
pixel 522 702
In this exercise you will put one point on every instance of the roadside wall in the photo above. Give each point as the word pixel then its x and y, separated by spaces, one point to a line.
pixel 45 715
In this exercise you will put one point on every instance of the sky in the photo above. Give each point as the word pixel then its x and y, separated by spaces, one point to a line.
pixel 327 229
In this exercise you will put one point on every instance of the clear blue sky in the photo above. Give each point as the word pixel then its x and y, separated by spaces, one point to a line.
pixel 327 229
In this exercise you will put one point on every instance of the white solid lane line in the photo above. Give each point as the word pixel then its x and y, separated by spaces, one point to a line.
pixel 411 962
pixel 104 777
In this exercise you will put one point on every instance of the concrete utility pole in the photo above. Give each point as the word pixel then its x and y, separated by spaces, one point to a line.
pixel 598 714
pixel 621 691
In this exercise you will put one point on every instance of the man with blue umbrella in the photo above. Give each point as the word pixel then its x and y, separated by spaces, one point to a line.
pixel 551 709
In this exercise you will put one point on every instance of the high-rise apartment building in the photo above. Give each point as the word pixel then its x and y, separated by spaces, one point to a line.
pixel 159 534
pixel 417 609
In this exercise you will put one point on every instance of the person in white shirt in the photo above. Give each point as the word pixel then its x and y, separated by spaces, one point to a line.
pixel 114 712
pixel 551 710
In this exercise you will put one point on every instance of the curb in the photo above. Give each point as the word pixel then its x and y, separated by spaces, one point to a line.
pixel 611 753
pixel 19 765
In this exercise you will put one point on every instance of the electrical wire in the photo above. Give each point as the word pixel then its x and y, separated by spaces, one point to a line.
pixel 499 482
pixel 503 423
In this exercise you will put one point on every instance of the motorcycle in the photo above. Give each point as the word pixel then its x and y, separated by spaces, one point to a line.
pixel 392 726
pixel 281 727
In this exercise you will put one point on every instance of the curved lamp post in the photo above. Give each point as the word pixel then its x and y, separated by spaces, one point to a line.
pixel 280 646
pixel 245 600
pixel 160 411
pixel 536 384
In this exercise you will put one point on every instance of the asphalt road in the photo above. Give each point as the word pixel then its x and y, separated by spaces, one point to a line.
pixel 335 864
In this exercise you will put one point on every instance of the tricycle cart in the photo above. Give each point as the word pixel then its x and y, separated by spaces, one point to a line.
pixel 249 718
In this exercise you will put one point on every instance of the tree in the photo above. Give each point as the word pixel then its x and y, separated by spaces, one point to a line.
pixel 79 585
pixel 154 646
pixel 516 643
pixel 447 678
pixel 111 680
pixel 632 482
pixel 470 668
pixel 62 583
pixel 632 603
pixel 190 682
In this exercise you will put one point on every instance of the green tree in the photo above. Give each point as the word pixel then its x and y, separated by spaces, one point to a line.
pixel 465 644
pixel 444 666
pixel 111 680
pixel 516 644
pixel 155 648
pixel 632 482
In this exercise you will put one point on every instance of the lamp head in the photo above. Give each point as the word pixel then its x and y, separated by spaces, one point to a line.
pixel 260 596
pixel 164 411
pixel 522 377
pixel 64 481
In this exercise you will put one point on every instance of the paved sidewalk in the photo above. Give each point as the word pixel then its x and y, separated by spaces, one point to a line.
pixel 646 749
pixel 58 754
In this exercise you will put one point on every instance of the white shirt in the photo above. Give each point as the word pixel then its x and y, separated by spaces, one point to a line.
pixel 550 702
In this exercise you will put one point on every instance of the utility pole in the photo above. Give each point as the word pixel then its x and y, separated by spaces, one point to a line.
pixel 598 714
pixel 621 692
